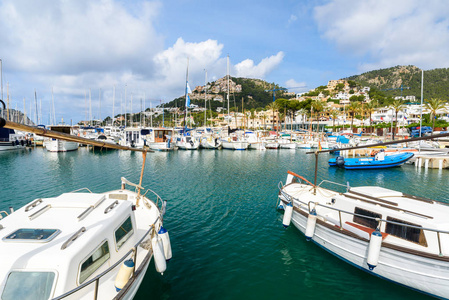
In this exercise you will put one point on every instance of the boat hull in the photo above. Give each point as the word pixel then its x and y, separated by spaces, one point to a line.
pixel 406 269
pixel 370 163
pixel 60 146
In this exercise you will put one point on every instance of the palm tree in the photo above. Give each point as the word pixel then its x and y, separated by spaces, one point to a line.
pixel 433 105
pixel 370 108
pixel 317 106
pixel 302 112
pixel 334 113
pixel 353 108
pixel 253 116
pixel 397 105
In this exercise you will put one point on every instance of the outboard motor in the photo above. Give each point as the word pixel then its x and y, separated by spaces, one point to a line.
pixel 340 161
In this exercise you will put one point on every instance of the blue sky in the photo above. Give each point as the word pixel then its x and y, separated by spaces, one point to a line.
pixel 142 46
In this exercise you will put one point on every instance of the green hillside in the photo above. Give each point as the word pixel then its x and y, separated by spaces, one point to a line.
pixel 253 92
pixel 389 81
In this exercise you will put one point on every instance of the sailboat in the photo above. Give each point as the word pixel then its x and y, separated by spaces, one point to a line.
pixel 387 233
pixel 234 139
pixel 187 141
pixel 80 244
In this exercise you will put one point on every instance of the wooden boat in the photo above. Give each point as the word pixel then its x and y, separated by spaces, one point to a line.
pixel 82 245
pixel 379 161
pixel 389 234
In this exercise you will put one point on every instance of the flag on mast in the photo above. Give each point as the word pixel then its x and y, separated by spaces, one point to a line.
pixel 188 91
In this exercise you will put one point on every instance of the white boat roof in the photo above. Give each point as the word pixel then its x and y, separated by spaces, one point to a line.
pixel 61 213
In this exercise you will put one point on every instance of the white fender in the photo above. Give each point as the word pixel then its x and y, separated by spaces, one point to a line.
pixel 158 254
pixel 375 244
pixel 287 215
pixel 163 233
pixel 311 222
pixel 123 275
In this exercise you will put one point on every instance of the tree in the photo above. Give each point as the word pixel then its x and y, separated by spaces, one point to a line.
pixel 433 105
pixel 334 113
pixel 317 106
pixel 353 108
pixel 370 108
pixel 397 105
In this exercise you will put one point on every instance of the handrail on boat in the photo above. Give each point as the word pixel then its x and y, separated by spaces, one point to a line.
pixel 3 212
pixel 96 279
pixel 78 190
pixel 340 211
pixel 331 182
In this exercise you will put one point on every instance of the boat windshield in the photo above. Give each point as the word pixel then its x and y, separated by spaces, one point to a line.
pixel 28 286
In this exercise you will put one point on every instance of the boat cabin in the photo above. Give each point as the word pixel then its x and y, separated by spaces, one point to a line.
pixel 56 244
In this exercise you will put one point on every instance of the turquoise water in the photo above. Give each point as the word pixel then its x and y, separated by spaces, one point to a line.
pixel 227 238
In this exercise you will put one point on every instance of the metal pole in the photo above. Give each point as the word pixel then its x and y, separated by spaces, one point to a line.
pixel 1 76
pixel 420 116
pixel 316 172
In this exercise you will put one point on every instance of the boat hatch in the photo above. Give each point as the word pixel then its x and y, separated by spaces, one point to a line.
pixel 32 235
pixel 28 285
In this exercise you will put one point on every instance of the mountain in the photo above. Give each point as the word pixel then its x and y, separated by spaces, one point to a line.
pixel 389 81
pixel 253 93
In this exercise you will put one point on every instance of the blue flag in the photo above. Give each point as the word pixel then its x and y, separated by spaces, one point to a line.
pixel 187 95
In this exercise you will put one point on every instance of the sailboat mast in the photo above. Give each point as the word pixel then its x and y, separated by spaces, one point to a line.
pixel 113 105
pixel 205 100
pixel 1 77
pixel 36 112
pixel 186 93
pixel 227 78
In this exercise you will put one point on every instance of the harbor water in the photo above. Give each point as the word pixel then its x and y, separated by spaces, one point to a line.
pixel 227 236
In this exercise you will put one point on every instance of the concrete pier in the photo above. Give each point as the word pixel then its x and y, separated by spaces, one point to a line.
pixel 432 161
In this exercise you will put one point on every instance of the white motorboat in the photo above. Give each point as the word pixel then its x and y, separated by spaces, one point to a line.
pixel 161 139
pixel 135 137
pixel 210 142
pixel 392 235
pixel 57 145
pixel 234 142
pixel 82 245
pixel 10 140
pixel 187 142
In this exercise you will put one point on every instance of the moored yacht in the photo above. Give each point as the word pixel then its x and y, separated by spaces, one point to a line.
pixel 56 145
pixel 387 233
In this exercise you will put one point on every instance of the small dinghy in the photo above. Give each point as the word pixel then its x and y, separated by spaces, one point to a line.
pixel 380 160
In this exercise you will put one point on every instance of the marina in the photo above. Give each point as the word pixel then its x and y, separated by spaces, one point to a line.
pixel 226 234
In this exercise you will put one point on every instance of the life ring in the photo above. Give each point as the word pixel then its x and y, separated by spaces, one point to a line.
pixel 374 152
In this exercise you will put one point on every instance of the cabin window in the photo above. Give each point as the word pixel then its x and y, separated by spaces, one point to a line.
pixel 368 222
pixel 124 232
pixel 28 286
pixel 411 234
pixel 94 261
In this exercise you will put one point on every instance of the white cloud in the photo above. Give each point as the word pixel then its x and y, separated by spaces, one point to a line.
pixel 295 86
pixel 292 19
pixel 74 46
pixel 388 33
pixel 77 36
pixel 247 68
pixel 171 64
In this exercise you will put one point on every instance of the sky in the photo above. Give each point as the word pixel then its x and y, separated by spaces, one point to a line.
pixel 73 54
